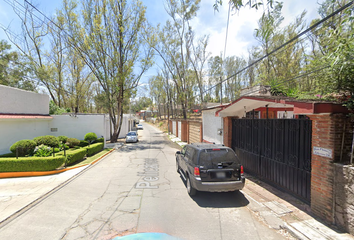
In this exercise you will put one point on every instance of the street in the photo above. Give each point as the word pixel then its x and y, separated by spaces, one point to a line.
pixel 137 189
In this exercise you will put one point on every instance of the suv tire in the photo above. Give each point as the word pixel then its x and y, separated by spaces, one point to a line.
pixel 191 191
pixel 177 166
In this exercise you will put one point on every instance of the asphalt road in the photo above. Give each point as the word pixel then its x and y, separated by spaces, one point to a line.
pixel 137 189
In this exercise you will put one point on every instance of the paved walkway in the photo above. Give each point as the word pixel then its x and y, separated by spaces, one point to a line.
pixel 275 208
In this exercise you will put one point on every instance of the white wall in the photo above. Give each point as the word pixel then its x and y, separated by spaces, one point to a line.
pixel 174 128
pixel 124 129
pixel 77 127
pixel 211 124
pixel 13 100
pixel 179 129
pixel 13 130
pixel 288 114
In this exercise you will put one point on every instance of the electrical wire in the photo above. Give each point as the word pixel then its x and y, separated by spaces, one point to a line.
pixel 286 43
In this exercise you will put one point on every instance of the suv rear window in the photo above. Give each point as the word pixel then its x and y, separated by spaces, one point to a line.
pixel 209 156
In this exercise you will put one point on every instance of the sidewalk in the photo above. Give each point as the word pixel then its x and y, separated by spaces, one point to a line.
pixel 280 210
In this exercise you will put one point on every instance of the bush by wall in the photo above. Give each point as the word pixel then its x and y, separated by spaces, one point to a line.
pixel 27 164
pixel 8 155
pixel 25 147
pixel 90 137
pixel 94 148
pixel 83 143
pixel 100 140
pixel 63 139
pixel 76 155
pixel 73 142
pixel 48 140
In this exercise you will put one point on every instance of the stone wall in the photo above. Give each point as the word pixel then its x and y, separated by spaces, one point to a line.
pixel 344 197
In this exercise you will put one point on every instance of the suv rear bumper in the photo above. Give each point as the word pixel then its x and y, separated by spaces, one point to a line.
pixel 217 186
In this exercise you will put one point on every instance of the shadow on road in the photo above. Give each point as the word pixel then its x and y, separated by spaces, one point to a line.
pixel 221 200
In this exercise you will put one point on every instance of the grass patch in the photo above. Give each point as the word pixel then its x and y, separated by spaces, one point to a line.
pixel 92 158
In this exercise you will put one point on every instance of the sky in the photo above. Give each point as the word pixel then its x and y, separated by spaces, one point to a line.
pixel 208 22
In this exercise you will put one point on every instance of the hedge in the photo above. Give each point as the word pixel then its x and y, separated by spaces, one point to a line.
pixel 24 147
pixel 94 148
pixel 73 142
pixel 8 155
pixel 48 140
pixel 83 143
pixel 27 164
pixel 76 155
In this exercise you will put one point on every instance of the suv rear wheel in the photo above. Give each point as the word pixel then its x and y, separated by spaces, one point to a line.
pixel 191 191
pixel 177 166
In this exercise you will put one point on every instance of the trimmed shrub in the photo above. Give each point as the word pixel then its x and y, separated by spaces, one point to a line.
pixel 25 147
pixel 76 155
pixel 100 140
pixel 90 137
pixel 94 148
pixel 8 155
pixel 83 143
pixel 63 139
pixel 27 164
pixel 48 140
pixel 73 142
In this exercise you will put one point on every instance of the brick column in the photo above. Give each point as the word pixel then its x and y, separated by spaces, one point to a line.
pixel 184 126
pixel 227 131
pixel 188 125
pixel 327 133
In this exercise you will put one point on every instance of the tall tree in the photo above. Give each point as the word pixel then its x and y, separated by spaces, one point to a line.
pixel 175 45
pixel 31 44
pixel 13 69
pixel 114 50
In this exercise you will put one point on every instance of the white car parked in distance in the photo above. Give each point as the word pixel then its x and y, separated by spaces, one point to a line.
pixel 132 136
pixel 140 127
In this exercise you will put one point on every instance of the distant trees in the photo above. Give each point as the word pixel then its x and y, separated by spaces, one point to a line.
pixel 14 69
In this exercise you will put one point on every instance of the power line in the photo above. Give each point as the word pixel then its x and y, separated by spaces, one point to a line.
pixel 286 43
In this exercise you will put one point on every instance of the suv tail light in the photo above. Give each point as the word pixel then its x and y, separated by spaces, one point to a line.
pixel 196 172
pixel 241 169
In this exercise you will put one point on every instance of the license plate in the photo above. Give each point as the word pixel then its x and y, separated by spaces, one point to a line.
pixel 220 174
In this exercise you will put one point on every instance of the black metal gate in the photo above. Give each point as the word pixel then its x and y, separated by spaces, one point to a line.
pixel 277 150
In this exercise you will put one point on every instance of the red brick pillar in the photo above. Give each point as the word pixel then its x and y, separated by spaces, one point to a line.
pixel 227 131
pixel 324 151
pixel 184 126
pixel 188 125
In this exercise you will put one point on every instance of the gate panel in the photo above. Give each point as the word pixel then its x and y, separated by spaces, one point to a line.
pixel 277 150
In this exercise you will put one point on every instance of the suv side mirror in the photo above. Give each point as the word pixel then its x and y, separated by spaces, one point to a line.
pixel 178 152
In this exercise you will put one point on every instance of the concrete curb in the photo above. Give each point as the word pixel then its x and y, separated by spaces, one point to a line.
pixel 293 232
pixel 45 173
